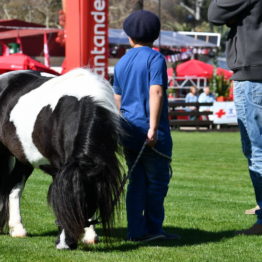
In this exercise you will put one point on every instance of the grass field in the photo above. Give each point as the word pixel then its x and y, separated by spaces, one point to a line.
pixel 208 194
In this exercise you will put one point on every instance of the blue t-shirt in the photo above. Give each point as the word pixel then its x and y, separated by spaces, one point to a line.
pixel 135 72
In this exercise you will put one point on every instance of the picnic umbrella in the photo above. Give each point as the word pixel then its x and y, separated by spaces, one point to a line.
pixel 20 61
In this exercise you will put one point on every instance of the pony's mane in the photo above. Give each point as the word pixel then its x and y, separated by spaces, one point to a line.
pixel 82 82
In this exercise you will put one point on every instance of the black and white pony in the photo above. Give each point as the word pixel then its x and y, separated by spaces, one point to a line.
pixel 67 126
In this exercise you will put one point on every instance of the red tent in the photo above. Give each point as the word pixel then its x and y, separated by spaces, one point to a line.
pixel 199 69
pixel 22 62
pixel 194 68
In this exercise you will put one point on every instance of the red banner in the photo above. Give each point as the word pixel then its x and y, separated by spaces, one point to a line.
pixel 97 45
pixel 87 35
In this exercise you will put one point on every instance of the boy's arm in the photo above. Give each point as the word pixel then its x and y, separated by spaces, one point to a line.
pixel 117 101
pixel 155 107
pixel 226 11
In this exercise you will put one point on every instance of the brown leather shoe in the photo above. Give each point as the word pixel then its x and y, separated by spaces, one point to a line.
pixel 252 211
pixel 256 229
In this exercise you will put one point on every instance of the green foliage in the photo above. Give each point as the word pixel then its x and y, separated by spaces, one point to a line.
pixel 219 85
pixel 205 204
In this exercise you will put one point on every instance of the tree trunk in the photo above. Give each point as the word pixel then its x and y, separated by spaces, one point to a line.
pixel 139 5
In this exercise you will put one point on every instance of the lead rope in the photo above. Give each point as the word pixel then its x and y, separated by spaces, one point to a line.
pixel 126 177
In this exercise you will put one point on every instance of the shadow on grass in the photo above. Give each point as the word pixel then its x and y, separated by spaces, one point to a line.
pixel 44 234
pixel 188 237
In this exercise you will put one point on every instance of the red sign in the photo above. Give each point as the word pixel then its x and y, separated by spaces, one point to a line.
pixel 87 35
pixel 97 45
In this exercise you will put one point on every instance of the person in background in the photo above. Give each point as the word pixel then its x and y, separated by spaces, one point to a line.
pixel 191 97
pixel 206 97
pixel 140 85
pixel 244 58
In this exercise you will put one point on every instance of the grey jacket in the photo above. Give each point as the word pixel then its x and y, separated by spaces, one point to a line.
pixel 244 43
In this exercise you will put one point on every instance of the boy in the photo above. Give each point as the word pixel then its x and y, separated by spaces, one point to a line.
pixel 140 82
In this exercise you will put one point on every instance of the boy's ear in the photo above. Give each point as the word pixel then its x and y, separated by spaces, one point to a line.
pixel 131 41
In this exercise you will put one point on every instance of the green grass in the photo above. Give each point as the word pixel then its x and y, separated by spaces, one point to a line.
pixel 208 194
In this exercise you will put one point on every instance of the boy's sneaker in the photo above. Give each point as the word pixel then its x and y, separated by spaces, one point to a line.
pixel 148 238
pixel 163 236
pixel 171 236
pixel 255 230
pixel 252 211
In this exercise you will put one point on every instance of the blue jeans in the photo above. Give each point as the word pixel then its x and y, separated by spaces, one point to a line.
pixel 147 188
pixel 248 101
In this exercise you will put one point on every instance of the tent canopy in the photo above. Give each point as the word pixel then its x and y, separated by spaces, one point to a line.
pixel 22 62
pixel 166 39
pixel 200 69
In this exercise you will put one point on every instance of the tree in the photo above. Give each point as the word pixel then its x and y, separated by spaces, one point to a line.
pixel 173 15
pixel 37 11
pixel 139 5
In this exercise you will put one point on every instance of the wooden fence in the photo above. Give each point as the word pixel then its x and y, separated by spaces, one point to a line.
pixel 180 115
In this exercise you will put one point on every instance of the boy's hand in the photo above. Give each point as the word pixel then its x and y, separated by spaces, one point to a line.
pixel 151 137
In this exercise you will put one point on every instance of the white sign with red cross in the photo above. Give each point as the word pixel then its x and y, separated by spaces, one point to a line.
pixel 224 113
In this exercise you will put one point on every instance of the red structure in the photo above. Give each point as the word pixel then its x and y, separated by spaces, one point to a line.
pixel 31 35
pixel 22 62
pixel 86 34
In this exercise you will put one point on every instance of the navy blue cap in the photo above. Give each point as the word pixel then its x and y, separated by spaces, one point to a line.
pixel 142 26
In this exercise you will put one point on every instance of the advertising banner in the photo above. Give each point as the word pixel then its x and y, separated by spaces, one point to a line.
pixel 97 36
pixel 86 34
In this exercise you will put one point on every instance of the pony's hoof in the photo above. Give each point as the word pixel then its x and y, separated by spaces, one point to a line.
pixel 64 246
pixel 90 241
pixel 18 231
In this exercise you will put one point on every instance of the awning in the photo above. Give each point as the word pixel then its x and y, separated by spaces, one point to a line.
pixel 166 39
pixel 26 32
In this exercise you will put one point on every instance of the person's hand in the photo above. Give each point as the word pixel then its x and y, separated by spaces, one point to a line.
pixel 151 137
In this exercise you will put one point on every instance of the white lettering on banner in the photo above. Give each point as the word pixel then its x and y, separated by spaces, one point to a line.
pixel 99 5
pixel 97 32
pixel 96 60
pixel 99 40
pixel 99 17
pixel 95 51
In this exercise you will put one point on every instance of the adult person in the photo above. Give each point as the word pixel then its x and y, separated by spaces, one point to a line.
pixel 244 57
pixel 140 92
pixel 191 97
pixel 206 97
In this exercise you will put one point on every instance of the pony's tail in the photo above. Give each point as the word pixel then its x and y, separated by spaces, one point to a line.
pixel 81 189
pixel 4 208
pixel 68 199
